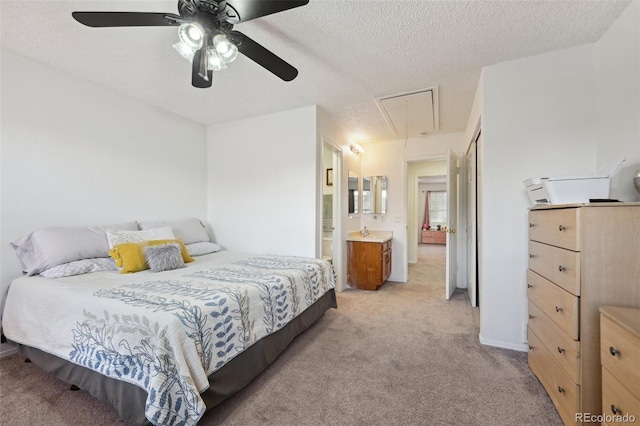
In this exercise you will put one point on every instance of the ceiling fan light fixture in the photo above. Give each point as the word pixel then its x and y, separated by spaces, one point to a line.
pixel 199 22
pixel 227 50
pixel 192 35
pixel 185 51
pixel 215 61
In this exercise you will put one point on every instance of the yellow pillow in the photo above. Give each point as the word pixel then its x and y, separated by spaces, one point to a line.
pixel 130 257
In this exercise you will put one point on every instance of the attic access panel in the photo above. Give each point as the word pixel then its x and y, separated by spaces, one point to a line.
pixel 410 114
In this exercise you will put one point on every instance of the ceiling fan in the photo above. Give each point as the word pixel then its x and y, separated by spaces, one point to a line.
pixel 205 28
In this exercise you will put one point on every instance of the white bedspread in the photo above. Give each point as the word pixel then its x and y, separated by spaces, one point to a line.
pixel 165 332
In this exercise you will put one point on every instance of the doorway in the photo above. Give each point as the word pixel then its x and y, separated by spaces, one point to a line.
pixel 431 247
pixel 330 222
pixel 472 168
pixel 432 217
pixel 426 180
pixel 438 166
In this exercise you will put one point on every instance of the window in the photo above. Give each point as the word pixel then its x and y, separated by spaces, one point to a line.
pixel 438 208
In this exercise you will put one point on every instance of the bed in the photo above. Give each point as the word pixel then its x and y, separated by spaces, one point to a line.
pixel 164 347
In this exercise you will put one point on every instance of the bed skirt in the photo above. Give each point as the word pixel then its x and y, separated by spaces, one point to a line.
pixel 129 400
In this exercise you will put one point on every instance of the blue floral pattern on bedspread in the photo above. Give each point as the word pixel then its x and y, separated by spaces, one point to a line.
pixel 185 329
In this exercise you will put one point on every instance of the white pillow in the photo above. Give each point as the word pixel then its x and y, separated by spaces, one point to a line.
pixel 188 230
pixel 116 236
pixel 78 267
pixel 45 248
pixel 203 247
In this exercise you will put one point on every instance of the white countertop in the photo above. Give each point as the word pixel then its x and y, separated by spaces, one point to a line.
pixel 373 236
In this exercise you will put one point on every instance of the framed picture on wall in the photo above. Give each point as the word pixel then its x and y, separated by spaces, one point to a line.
pixel 329 177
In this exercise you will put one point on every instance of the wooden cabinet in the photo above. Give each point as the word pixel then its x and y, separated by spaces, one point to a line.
pixel 433 237
pixel 620 358
pixel 580 258
pixel 368 264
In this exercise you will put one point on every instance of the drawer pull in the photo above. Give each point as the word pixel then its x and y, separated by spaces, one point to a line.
pixel 529 285
pixel 613 351
pixel 559 309
pixel 531 317
pixel 560 389
pixel 561 228
pixel 531 256
pixel 530 347
pixel 561 268
pixel 560 350
pixel 531 225
pixel 615 410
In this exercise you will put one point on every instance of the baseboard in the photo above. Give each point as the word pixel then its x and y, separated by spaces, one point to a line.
pixel 521 347
pixel 7 349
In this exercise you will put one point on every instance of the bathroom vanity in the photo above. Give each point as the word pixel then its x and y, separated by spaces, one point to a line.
pixel 368 259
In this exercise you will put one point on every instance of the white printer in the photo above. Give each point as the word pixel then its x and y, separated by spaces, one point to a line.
pixel 573 189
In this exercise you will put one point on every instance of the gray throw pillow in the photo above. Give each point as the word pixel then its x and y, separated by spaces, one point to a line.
pixel 164 257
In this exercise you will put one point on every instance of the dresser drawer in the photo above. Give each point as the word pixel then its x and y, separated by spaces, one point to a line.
pixel 557 265
pixel 558 227
pixel 620 354
pixel 563 348
pixel 386 245
pixel 617 400
pixel 562 390
pixel 560 306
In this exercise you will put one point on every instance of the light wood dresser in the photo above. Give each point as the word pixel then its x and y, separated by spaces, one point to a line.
pixel 580 258
pixel 620 356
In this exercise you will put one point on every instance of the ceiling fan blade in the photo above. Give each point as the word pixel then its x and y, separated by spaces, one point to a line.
pixel 200 76
pixel 251 9
pixel 263 57
pixel 126 19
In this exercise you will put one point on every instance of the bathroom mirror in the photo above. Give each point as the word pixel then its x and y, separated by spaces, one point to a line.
pixel 366 195
pixel 374 194
pixel 353 194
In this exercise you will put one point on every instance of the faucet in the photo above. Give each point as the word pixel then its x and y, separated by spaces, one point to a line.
pixel 364 232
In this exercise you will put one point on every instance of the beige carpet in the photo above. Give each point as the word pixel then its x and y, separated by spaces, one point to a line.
pixel 400 356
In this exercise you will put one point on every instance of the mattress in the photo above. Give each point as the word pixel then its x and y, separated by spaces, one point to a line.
pixel 166 333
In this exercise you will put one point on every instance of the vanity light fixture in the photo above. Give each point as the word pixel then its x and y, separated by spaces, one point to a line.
pixel 356 148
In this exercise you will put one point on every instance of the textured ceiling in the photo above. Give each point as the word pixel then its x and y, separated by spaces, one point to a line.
pixel 347 52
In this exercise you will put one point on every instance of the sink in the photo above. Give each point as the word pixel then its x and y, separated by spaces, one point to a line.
pixel 374 236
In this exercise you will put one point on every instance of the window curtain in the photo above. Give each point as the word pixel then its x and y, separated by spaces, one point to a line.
pixel 427 208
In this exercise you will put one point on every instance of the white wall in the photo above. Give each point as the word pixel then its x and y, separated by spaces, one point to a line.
pixel 560 113
pixel 617 57
pixel 262 183
pixel 76 154
pixel 266 178
pixel 537 120
pixel 389 158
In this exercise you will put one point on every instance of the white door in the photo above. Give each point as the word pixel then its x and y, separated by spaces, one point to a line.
pixel 471 224
pixel 452 223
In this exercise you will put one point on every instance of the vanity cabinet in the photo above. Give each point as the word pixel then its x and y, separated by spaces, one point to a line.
pixel 368 264
pixel 580 258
